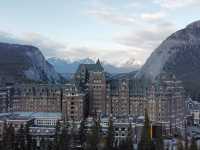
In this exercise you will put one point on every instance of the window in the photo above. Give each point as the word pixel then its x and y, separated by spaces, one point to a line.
pixel 72 112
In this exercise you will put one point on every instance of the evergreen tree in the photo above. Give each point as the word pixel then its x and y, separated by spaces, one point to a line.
pixel 146 141
pixel 93 137
pixel 73 135
pixel 64 139
pixel 8 137
pixel 34 145
pixel 28 138
pixel 57 136
pixel 12 136
pixel 122 145
pixel 127 144
pixel 110 136
pixel 159 139
pixel 50 145
pixel 82 132
pixel 129 139
pixel 20 143
pixel 186 143
pixel 5 136
pixel 180 146
pixel 193 145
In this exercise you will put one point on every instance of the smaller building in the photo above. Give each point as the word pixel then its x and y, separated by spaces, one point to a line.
pixel 15 120
pixel 44 125
pixel 193 108
pixel 41 124
pixel 120 125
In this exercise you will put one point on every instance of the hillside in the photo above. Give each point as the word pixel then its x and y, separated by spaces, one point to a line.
pixel 23 63
pixel 178 54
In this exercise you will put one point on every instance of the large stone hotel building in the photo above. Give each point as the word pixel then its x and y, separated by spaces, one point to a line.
pixel 94 94
pixel 164 99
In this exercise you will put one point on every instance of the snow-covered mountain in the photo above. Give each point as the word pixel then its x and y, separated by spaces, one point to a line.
pixel 178 54
pixel 21 63
pixel 68 66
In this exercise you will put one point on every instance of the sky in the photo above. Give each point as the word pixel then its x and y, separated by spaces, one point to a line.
pixel 115 31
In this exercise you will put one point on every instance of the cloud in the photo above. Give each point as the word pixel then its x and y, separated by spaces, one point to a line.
pixel 48 46
pixel 148 38
pixel 105 54
pixel 52 48
pixel 109 15
pixel 176 3
pixel 153 17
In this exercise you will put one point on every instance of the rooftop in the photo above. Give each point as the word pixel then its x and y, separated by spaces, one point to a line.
pixel 29 115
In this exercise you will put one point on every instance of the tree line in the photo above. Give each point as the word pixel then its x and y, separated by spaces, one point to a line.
pixel 66 138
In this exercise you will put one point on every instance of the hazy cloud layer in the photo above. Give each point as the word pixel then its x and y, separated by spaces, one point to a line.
pixel 147 29
pixel 153 17
pixel 52 48
pixel 148 38
pixel 48 47
pixel 109 15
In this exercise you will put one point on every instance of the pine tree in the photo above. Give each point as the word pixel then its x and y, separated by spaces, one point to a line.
pixel 193 145
pixel 9 137
pixel 122 145
pixel 186 143
pixel 34 145
pixel 28 138
pixel 180 146
pixel 159 139
pixel 21 138
pixel 146 141
pixel 43 144
pixel 129 139
pixel 12 136
pixel 5 136
pixel 50 145
pixel 64 139
pixel 110 136
pixel 57 136
pixel 82 132
pixel 93 137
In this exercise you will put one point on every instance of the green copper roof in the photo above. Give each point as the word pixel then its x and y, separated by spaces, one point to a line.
pixel 94 67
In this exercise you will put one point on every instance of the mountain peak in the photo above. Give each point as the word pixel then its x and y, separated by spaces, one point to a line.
pixel 194 25
pixel 179 54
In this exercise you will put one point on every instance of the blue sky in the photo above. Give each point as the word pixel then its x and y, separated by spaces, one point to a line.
pixel 115 31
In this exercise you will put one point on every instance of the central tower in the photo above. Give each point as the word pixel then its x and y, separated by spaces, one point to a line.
pixel 91 79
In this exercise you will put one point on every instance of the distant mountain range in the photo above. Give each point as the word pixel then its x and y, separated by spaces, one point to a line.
pixel 65 66
pixel 23 63
pixel 178 54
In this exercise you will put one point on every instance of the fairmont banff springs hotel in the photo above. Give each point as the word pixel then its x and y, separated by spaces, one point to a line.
pixel 92 93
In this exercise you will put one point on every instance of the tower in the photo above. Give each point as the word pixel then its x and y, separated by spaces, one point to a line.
pixel 91 79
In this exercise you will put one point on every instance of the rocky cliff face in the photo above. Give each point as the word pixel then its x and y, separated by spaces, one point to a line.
pixel 21 63
pixel 178 54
